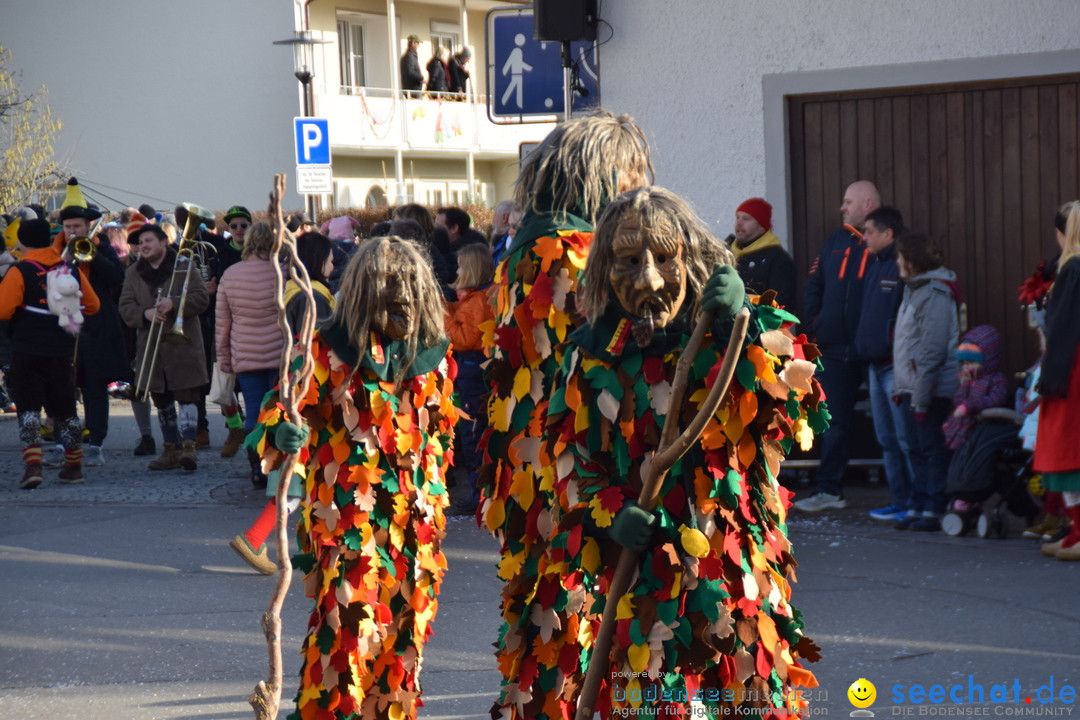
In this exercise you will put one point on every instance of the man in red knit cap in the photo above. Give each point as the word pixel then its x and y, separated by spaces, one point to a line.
pixel 762 261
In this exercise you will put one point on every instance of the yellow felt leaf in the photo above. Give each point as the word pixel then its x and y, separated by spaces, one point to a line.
pixel 521 486
pixel 521 382
pixel 803 434
pixel 581 420
pixel 559 321
pixel 590 555
pixel 495 515
pixel 499 414
pixel 625 611
pixel 638 657
pixel 694 541
pixel 676 586
pixel 510 565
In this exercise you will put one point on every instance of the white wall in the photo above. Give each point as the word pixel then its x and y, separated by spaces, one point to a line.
pixel 692 74
pixel 165 102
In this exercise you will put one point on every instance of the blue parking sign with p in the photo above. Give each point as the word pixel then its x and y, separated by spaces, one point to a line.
pixel 312 141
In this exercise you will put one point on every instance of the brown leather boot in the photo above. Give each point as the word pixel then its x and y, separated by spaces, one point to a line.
pixel 168 460
pixel 233 442
pixel 188 455
pixel 31 477
pixel 202 438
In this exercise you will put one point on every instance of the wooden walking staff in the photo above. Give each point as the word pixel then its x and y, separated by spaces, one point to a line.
pixel 266 698
pixel 671 448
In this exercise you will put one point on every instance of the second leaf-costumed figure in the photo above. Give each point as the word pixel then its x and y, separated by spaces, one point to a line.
pixel 708 610
pixel 374 447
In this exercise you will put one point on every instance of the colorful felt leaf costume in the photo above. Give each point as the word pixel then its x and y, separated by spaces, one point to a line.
pixel 709 607
pixel 372 522
pixel 535 288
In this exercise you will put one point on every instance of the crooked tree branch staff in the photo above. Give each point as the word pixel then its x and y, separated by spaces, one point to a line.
pixel 180 368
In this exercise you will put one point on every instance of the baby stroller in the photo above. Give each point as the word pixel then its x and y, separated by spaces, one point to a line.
pixel 991 461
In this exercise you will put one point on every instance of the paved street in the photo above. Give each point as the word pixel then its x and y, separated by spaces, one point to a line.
pixel 121 600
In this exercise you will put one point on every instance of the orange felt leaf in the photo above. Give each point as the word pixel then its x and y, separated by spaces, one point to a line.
pixel 703 487
pixel 801 677
pixel 747 407
pixel 548 249
pixel 747 450
pixel 767 632
pixel 572 394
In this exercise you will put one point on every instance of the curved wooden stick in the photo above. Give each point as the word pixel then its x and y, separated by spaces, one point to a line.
pixel 265 699
pixel 666 455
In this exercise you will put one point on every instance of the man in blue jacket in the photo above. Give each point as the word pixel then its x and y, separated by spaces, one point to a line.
pixel 883 289
pixel 832 307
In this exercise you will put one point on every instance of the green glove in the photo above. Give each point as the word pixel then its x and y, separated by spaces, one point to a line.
pixel 289 438
pixel 724 292
pixel 632 527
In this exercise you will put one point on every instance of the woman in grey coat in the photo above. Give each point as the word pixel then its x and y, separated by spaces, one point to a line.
pixel 925 373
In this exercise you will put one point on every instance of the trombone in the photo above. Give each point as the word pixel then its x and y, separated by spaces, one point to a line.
pixel 82 248
pixel 182 267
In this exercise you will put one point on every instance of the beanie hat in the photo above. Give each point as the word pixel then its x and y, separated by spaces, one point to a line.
pixel 969 352
pixel 758 209
pixel 35 233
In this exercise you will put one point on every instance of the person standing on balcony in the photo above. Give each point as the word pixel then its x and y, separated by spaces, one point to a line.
pixel 412 80
pixel 459 72
pixel 438 73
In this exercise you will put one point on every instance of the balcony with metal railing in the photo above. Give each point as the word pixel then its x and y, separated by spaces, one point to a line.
pixel 378 121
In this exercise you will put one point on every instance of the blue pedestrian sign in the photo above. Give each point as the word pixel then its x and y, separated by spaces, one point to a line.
pixel 525 76
pixel 312 141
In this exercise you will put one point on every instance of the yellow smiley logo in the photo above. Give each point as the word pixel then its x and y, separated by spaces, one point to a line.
pixel 862 693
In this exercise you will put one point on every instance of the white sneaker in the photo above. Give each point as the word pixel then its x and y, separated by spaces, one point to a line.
pixel 53 456
pixel 93 455
pixel 820 501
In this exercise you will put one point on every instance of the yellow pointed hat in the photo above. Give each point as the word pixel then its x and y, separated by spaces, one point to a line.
pixel 75 205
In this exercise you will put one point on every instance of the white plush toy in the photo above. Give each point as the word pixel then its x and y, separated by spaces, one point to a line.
pixel 65 298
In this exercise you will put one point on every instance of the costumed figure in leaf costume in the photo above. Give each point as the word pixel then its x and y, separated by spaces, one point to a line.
pixel 565 184
pixel 708 607
pixel 375 442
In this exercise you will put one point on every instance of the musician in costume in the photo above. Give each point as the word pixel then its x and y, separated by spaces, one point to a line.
pixel 376 440
pixel 565 184
pixel 100 357
pixel 42 373
pixel 155 290
pixel 708 608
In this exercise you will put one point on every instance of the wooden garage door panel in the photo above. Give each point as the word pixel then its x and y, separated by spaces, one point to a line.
pixel 982 167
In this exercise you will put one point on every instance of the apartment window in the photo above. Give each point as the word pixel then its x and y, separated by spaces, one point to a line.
pixel 351 49
pixel 444 34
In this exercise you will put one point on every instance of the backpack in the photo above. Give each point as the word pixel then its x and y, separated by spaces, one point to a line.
pixel 63 294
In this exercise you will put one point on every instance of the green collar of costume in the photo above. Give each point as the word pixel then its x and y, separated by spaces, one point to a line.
pixel 611 337
pixel 385 359
pixel 767 240
pixel 545 224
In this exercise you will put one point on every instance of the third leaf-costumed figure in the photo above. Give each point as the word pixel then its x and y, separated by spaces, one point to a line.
pixel 707 619
pixel 373 449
